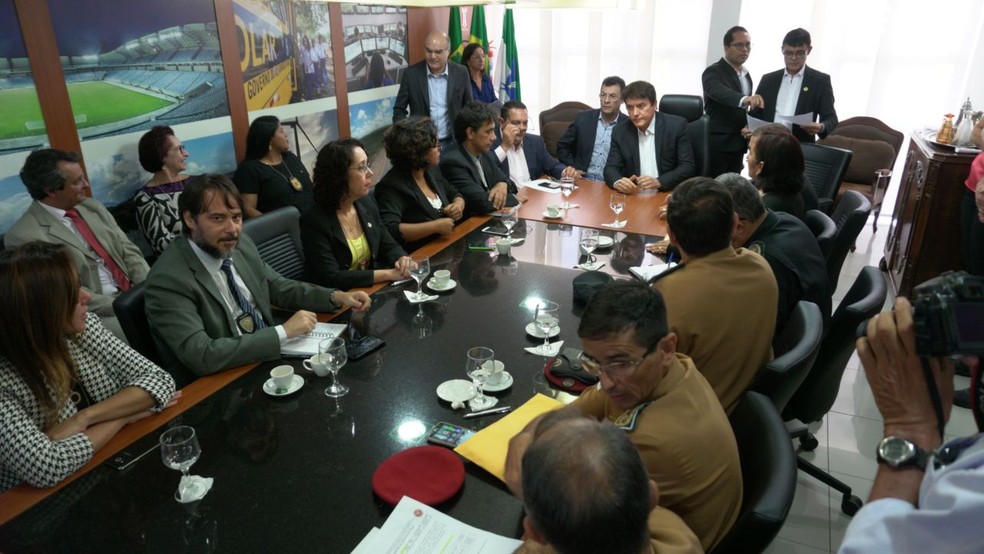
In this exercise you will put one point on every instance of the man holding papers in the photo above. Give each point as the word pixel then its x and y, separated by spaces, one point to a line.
pixel 209 295
pixel 798 89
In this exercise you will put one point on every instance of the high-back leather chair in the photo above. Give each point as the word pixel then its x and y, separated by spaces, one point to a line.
pixel 277 235
pixel 768 474
pixel 816 395
pixel 796 348
pixel 870 128
pixel 825 167
pixel 824 229
pixel 129 310
pixel 691 108
pixel 555 121
pixel 849 217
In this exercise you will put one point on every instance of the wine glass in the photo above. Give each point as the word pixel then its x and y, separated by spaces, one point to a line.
pixel 566 188
pixel 617 203
pixel 509 220
pixel 419 270
pixel 478 367
pixel 545 320
pixel 589 241
pixel 180 450
pixel 333 350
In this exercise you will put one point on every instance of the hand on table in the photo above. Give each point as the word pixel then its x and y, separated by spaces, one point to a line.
pixel 658 247
pixel 498 195
pixel 358 300
pixel 646 182
pixel 455 209
pixel 402 268
pixel 626 185
pixel 300 323
pixel 572 172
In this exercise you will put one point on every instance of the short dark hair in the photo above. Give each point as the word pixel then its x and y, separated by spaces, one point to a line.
pixel 152 148
pixel 200 190
pixel 40 173
pixel 377 70
pixel 782 157
pixel 748 201
pixel 258 138
pixel 730 35
pixel 472 116
pixel 609 508
pixel 469 51
pixel 407 142
pixel 797 37
pixel 511 105
pixel 700 213
pixel 331 173
pixel 640 90
pixel 623 305
pixel 612 81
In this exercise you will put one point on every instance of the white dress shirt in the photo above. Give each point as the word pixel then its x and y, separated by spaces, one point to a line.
pixel 519 171
pixel 789 91
pixel 647 151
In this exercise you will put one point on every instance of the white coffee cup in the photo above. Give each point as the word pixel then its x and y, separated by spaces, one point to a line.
pixel 441 277
pixel 315 364
pixel 503 246
pixel 282 376
pixel 553 210
pixel 495 369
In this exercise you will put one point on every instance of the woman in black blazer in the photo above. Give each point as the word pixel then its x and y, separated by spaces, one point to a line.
pixel 415 201
pixel 345 243
pixel 775 164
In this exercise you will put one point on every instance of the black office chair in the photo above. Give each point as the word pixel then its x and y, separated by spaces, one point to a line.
pixel 823 228
pixel 277 235
pixel 849 217
pixel 768 474
pixel 691 108
pixel 817 393
pixel 129 310
pixel 825 167
pixel 796 348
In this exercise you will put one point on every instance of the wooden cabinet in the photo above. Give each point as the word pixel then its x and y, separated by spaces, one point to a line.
pixel 924 238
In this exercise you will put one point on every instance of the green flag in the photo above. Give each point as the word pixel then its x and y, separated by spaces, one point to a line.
pixel 454 35
pixel 507 62
pixel 477 33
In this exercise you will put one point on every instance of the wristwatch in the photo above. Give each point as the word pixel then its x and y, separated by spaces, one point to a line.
pixel 899 452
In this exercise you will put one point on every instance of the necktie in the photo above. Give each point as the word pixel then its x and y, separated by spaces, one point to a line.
pixel 250 319
pixel 122 281
pixel 481 173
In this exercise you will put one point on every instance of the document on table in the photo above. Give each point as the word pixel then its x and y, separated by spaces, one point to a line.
pixel 541 184
pixel 306 346
pixel 647 272
pixel 415 528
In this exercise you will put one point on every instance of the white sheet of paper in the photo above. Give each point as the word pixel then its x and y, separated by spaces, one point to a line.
pixel 538 185
pixel 755 123
pixel 307 345
pixel 415 528
pixel 789 120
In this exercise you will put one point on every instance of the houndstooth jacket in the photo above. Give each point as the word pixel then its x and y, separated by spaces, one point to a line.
pixel 105 366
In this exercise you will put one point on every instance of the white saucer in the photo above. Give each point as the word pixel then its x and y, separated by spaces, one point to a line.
pixel 456 390
pixel 504 383
pixel 295 385
pixel 534 332
pixel 548 216
pixel 433 286
pixel 605 241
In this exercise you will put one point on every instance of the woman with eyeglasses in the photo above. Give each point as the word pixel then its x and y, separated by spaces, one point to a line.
pixel 162 155
pixel 415 201
pixel 346 244
pixel 270 175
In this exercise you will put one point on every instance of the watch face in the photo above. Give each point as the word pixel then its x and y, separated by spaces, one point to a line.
pixel 896 450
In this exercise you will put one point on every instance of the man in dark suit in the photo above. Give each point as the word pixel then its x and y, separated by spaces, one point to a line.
pixel 209 297
pixel 523 156
pixel 727 96
pixel 470 166
pixel 586 142
pixel 798 89
pixel 107 262
pixel 650 151
pixel 434 88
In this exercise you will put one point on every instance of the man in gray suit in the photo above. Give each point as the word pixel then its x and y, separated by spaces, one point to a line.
pixel 435 88
pixel 209 295
pixel 107 262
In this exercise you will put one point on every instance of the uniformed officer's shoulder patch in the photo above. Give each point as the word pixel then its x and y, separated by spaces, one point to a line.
pixel 758 247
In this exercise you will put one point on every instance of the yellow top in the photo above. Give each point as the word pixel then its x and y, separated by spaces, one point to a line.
pixel 360 252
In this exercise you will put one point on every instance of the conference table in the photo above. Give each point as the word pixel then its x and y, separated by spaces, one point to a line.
pixel 294 473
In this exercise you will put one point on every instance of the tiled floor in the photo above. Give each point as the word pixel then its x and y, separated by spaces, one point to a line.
pixel 847 435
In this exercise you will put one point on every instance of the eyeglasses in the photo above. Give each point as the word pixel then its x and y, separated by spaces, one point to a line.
pixel 612 97
pixel 179 148
pixel 363 169
pixel 617 369
pixel 741 45
pixel 794 53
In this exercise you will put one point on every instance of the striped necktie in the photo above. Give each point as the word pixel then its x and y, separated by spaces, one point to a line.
pixel 250 319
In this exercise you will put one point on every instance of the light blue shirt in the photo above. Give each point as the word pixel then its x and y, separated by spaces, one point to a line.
pixel 602 144
pixel 437 90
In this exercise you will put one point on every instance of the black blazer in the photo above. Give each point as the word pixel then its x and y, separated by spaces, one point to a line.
pixel 674 153
pixel 326 253
pixel 538 160
pixel 817 96
pixel 722 93
pixel 400 201
pixel 458 168
pixel 576 145
pixel 413 97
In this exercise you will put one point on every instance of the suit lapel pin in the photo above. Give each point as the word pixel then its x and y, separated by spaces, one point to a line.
pixel 369 224
pixel 806 89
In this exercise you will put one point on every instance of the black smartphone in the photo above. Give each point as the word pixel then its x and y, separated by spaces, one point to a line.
pixel 361 348
pixel 447 434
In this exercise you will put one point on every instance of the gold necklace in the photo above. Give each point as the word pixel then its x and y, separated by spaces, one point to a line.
pixel 292 181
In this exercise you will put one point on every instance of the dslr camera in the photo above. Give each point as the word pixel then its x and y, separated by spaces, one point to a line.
pixel 948 313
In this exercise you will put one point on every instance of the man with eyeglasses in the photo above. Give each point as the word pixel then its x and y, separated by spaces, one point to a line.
pixel 523 156
pixel 798 89
pixel 585 144
pixel 434 88
pixel 727 97
pixel 669 411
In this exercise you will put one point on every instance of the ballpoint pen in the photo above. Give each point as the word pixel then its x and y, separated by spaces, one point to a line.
pixel 400 282
pixel 491 411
